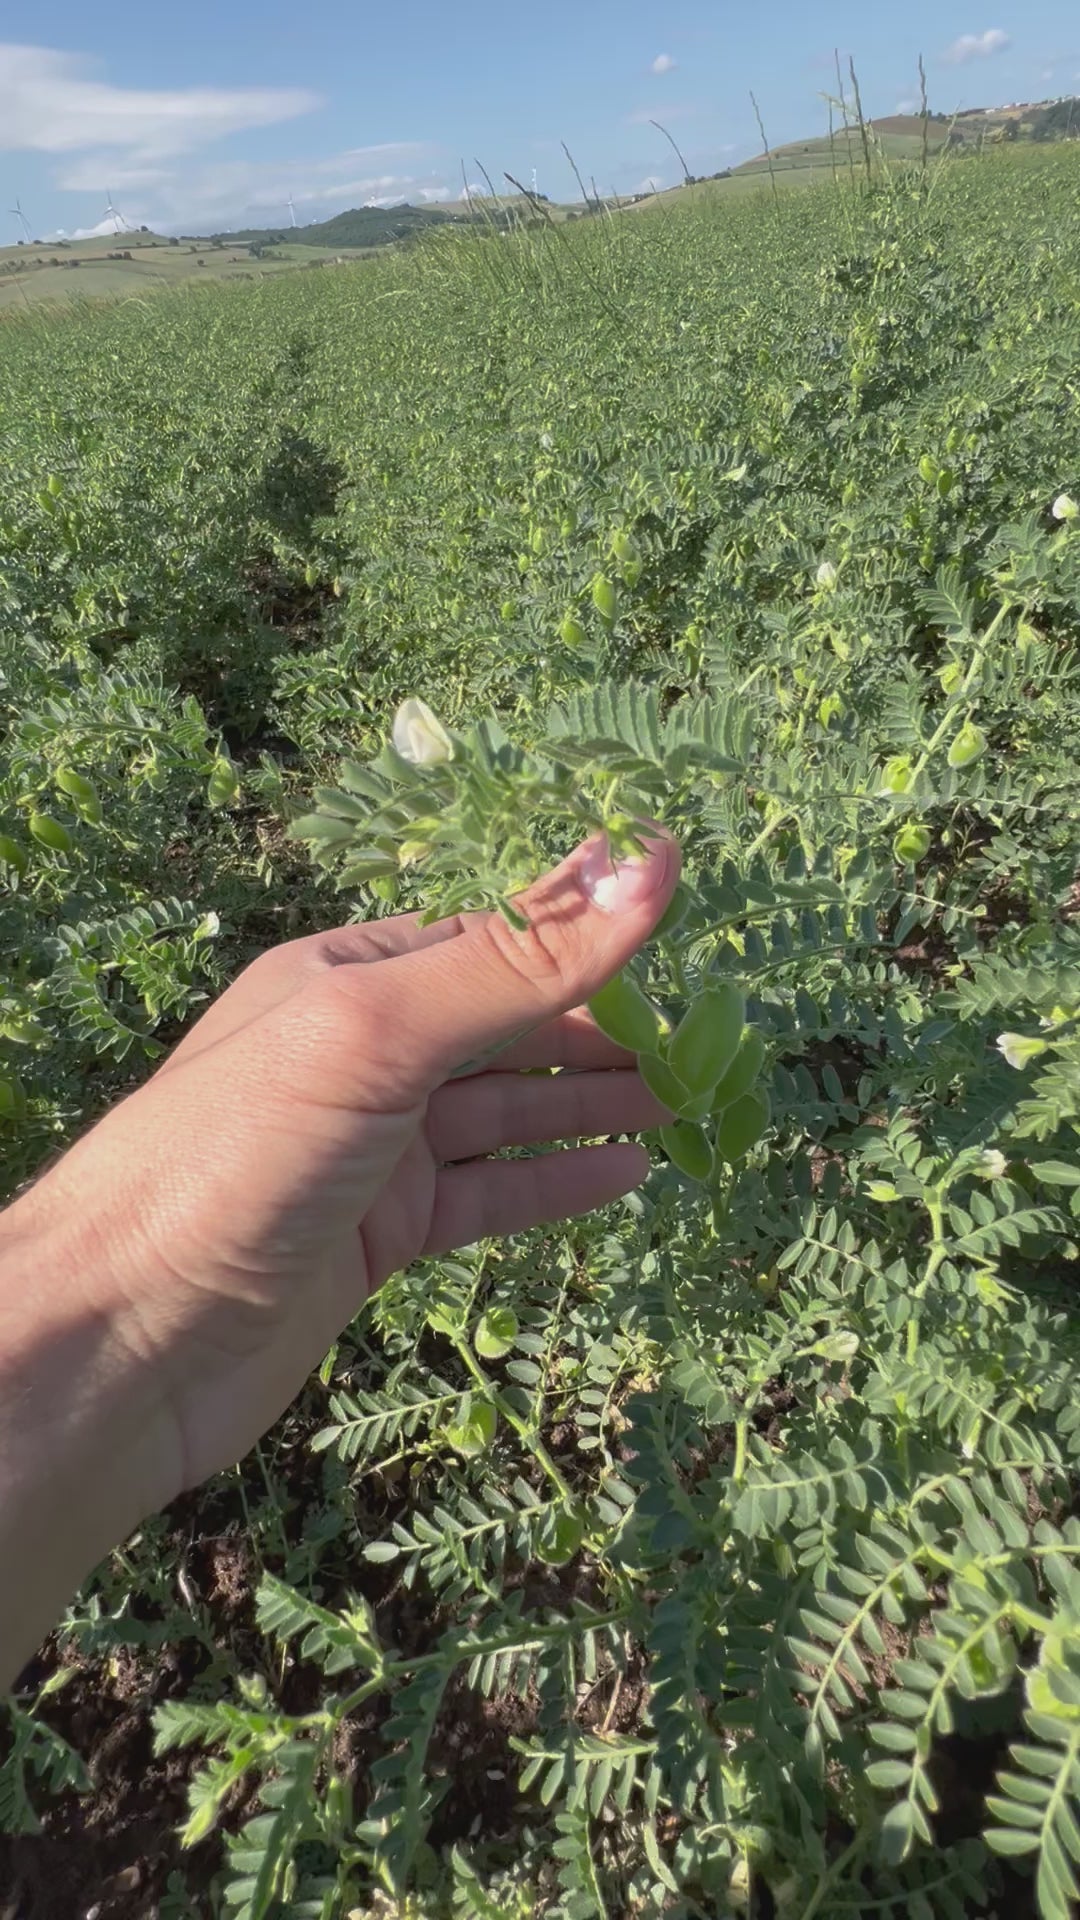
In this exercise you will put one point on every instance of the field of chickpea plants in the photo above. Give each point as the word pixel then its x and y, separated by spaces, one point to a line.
pixel 718 1555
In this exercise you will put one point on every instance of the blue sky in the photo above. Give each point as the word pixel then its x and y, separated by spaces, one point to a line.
pixel 196 118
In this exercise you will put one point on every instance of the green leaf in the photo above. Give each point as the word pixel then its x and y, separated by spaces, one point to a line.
pixel 495 1333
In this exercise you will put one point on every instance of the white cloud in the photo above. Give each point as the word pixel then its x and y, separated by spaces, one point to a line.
pixel 50 104
pixel 663 63
pixel 216 197
pixel 91 173
pixel 906 106
pixel 106 226
pixel 977 46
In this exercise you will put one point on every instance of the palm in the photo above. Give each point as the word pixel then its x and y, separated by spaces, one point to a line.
pixel 289 1227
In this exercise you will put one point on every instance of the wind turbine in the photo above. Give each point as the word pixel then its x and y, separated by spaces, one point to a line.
pixel 113 213
pixel 292 210
pixel 17 213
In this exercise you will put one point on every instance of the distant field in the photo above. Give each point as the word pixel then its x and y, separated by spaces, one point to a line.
pixel 32 274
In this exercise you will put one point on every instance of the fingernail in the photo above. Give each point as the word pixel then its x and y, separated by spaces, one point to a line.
pixel 618 885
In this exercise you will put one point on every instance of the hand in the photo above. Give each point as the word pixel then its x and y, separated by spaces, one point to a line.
pixel 204 1245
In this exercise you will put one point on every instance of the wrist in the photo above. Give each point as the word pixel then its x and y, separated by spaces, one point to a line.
pixel 84 1451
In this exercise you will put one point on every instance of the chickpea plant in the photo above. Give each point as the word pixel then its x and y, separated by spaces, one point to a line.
pixel 719 1554
pixel 473 819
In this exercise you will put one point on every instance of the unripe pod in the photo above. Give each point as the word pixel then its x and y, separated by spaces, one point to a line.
pixel 50 833
pixel 968 746
pixel 911 843
pixel 687 1147
pixel 12 855
pixel 605 599
pixel 896 774
pixel 743 1071
pixel 660 1080
pixel 627 1016
pixel 223 785
pixel 82 791
pixel 741 1126
pixel 572 633
pixel 23 1030
pixel 707 1038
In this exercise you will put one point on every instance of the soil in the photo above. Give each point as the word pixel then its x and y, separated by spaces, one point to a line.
pixel 110 1855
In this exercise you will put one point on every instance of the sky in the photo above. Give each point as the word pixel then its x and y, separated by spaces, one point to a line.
pixel 196 118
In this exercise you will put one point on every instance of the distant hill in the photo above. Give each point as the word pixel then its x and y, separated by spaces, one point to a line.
pixel 899 136
pixel 359 227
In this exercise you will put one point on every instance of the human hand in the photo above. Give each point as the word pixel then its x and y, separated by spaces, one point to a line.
pixel 313 1134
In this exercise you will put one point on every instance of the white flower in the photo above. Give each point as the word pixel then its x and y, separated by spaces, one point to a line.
pixel 1018 1048
pixel 827 575
pixel 418 736
pixel 1065 508
pixel 992 1164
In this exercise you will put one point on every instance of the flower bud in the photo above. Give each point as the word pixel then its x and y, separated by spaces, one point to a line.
pixel 418 736
pixel 1017 1049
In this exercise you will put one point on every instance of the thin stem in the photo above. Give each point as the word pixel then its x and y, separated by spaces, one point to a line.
pixel 513 1419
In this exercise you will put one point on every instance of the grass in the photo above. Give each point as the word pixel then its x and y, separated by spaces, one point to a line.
pixel 897 139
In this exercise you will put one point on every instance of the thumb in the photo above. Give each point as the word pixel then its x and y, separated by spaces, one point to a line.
pixel 475 992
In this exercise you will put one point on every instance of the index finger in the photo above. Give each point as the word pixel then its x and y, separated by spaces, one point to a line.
pixel 573 1040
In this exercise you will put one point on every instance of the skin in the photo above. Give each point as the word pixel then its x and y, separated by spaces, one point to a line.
pixel 168 1286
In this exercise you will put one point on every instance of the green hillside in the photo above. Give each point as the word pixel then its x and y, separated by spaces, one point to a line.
pixel 358 227
pixel 894 139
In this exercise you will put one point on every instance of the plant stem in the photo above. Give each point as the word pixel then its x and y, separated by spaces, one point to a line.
pixel 513 1419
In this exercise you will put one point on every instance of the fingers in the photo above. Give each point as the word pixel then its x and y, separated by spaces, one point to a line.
pixel 471 1117
pixel 455 1000
pixel 281 971
pixel 572 1040
pixel 497 1197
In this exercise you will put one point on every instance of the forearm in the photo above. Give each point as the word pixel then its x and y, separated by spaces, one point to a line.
pixel 76 1409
